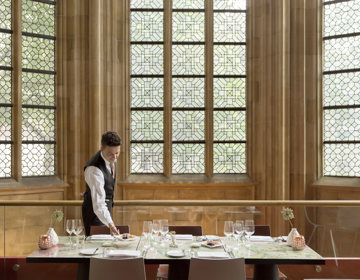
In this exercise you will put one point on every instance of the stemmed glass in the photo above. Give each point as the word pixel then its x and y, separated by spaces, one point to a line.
pixel 156 228
pixel 228 228
pixel 147 228
pixel 164 227
pixel 239 229
pixel 70 228
pixel 78 229
pixel 249 228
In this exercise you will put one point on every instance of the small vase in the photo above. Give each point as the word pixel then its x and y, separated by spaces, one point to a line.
pixel 54 237
pixel 291 236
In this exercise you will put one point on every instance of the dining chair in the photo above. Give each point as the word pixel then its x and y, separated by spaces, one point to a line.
pixel 217 269
pixel 106 230
pixel 163 270
pixel 263 230
pixel 115 268
pixel 194 230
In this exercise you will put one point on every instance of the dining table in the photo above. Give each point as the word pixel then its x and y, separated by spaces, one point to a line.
pixel 266 254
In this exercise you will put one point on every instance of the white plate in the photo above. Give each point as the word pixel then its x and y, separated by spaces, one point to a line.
pixel 89 252
pixel 175 253
pixel 212 237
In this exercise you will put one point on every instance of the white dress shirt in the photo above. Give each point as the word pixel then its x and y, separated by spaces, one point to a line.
pixel 95 180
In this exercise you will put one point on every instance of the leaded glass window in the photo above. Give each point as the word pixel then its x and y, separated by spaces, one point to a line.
pixel 37 93
pixel 341 88
pixel 204 84
pixel 5 89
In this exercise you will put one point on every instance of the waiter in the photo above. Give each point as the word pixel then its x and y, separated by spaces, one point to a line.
pixel 100 177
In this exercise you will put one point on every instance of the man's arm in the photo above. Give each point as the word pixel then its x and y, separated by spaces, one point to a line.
pixel 95 180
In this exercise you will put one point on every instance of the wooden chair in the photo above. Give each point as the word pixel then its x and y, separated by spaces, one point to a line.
pixel 217 269
pixel 114 268
pixel 163 270
pixel 105 230
pixel 194 230
pixel 263 230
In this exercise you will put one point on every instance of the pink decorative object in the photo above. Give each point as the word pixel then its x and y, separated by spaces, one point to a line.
pixel 45 242
pixel 298 242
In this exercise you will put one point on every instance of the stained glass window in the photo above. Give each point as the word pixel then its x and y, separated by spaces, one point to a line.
pixel 190 110
pixel 341 88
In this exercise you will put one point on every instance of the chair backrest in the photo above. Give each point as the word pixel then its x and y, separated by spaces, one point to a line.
pixel 106 230
pixel 217 269
pixel 194 230
pixel 262 230
pixel 119 269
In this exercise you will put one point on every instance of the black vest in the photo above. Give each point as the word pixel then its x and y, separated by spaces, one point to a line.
pixel 89 217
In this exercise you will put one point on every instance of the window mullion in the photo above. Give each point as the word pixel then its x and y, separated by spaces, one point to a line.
pixel 209 104
pixel 16 163
pixel 167 88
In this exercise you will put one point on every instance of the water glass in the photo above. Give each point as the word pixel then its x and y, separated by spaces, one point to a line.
pixel 70 228
pixel 249 228
pixel 228 228
pixel 239 229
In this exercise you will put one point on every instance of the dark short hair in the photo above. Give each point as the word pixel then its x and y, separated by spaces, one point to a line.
pixel 110 138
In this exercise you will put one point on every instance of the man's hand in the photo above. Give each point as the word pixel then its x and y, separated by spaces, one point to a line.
pixel 113 229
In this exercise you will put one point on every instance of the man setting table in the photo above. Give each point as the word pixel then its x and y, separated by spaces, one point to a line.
pixel 100 177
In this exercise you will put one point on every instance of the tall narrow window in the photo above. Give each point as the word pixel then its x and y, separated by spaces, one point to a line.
pixel 37 100
pixel 188 80
pixel 341 88
pixel 38 88
pixel 5 89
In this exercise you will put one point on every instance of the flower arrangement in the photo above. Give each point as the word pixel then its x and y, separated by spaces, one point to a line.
pixel 56 216
pixel 288 215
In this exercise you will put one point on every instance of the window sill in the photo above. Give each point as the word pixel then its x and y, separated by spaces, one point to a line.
pixel 336 182
pixel 32 183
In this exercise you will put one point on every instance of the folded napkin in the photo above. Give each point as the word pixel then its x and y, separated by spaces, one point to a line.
pixel 123 253
pixel 216 255
pixel 102 237
pixel 261 238
pixel 183 236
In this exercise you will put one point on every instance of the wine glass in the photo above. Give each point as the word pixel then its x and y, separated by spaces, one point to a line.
pixel 164 227
pixel 239 229
pixel 70 228
pixel 147 228
pixel 228 228
pixel 249 228
pixel 78 229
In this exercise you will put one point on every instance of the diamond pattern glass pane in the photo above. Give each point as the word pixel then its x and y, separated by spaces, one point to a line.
pixel 188 92
pixel 147 92
pixel 188 60
pixel 229 27
pixel 5 49
pixel 229 4
pixel 5 14
pixel 38 159
pixel 342 89
pixel 147 59
pixel 341 18
pixel 229 125
pixel 38 124
pixel 188 4
pixel 146 4
pixel 229 158
pixel 147 26
pixel 5 123
pixel 342 53
pixel 38 89
pixel 188 125
pixel 147 158
pixel 188 158
pixel 229 92
pixel 342 160
pixel 342 125
pixel 229 60
pixel 5 160
pixel 38 17
pixel 5 86
pixel 38 53
pixel 147 125
pixel 188 27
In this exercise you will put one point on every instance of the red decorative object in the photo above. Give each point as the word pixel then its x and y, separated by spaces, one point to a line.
pixel 45 242
pixel 298 242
